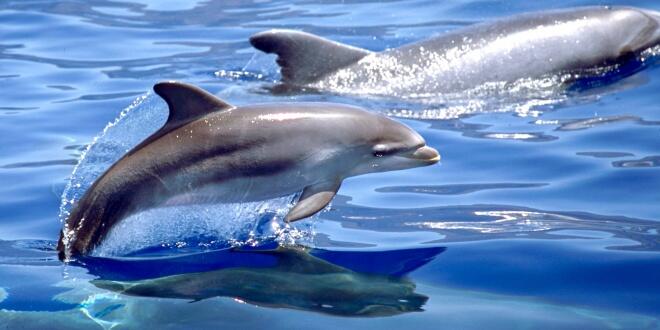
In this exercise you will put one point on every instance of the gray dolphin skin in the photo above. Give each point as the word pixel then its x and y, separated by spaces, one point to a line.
pixel 579 42
pixel 211 152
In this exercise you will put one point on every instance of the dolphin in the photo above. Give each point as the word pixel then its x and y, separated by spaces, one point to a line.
pixel 296 280
pixel 209 151
pixel 574 44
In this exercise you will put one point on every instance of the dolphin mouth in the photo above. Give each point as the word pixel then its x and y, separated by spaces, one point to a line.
pixel 426 154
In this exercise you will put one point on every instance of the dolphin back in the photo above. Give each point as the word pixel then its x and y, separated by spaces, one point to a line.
pixel 596 42
pixel 303 57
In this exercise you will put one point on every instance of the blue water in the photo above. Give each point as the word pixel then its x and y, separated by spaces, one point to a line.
pixel 544 213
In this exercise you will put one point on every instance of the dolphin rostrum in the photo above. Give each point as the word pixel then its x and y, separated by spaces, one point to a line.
pixel 211 152
pixel 578 43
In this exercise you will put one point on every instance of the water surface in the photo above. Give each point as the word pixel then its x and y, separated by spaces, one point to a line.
pixel 543 212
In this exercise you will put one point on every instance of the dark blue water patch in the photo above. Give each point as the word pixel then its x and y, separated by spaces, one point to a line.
pixel 129 269
pixel 33 297
pixel 29 270
pixel 395 263
pixel 31 288
pixel 29 205
pixel 572 271
pixel 638 177
pixel 598 77
pixel 391 263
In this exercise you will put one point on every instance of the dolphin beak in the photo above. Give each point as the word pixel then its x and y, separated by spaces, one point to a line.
pixel 426 154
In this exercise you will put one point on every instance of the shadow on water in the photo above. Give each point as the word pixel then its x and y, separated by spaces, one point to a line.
pixel 344 283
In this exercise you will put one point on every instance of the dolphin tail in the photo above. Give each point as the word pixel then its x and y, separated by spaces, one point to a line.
pixel 305 58
pixel 91 218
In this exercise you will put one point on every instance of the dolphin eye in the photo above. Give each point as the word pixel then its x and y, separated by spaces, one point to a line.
pixel 379 150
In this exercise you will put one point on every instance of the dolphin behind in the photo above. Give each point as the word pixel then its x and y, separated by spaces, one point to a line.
pixel 579 43
pixel 211 152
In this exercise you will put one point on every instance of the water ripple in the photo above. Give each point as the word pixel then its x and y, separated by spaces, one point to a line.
pixel 483 222
pixel 650 161
pixel 458 189
pixel 41 163
pixel 604 154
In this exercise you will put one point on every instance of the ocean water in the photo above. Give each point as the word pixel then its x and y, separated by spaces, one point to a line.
pixel 543 213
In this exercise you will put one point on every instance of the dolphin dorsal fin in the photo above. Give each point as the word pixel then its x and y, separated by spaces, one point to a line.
pixel 303 57
pixel 187 103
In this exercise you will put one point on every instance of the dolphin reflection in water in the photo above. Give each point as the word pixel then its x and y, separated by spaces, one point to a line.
pixel 343 283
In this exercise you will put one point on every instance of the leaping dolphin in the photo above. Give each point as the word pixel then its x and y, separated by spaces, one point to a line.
pixel 209 151
pixel 578 43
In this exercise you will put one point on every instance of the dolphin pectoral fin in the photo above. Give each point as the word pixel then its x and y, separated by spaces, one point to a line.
pixel 303 57
pixel 313 199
